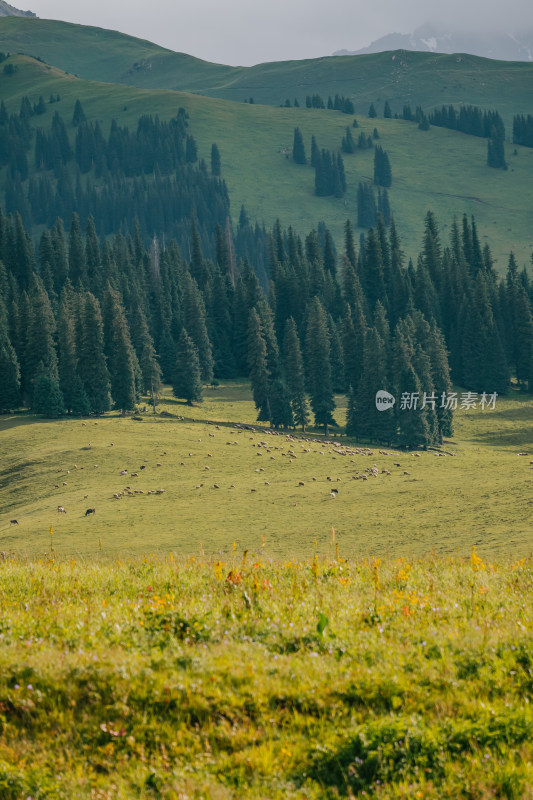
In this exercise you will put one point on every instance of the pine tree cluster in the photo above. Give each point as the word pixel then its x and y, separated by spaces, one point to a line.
pixel 468 119
pixel 523 130
pixel 152 174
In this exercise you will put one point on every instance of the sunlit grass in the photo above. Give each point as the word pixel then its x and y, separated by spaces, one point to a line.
pixel 481 496
pixel 239 677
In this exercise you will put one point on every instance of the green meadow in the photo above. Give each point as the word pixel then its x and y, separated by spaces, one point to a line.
pixel 223 483
pixel 237 678
pixel 425 79
pixel 438 169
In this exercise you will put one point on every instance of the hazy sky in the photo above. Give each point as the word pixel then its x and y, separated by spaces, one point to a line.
pixel 252 31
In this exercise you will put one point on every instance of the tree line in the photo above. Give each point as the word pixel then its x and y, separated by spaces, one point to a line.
pixel 87 324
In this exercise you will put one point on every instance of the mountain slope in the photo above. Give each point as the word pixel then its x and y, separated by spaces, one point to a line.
pixel 429 39
pixel 7 10
pixel 438 169
pixel 425 79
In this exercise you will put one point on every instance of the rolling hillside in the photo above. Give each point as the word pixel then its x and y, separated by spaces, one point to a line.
pixel 400 77
pixel 438 169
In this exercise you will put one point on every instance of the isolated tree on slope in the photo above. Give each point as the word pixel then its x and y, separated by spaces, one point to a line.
pixel 298 148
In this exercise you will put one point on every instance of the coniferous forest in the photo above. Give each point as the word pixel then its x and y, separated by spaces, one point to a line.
pixel 121 268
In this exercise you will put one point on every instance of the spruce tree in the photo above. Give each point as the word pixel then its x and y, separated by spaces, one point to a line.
pixel 79 114
pixel 412 421
pixel 257 366
pixel 92 367
pixel 10 397
pixel 280 404
pixel 76 253
pixel 298 148
pixel 187 382
pixel 68 362
pixel 440 370
pixel 47 398
pixel 319 366
pixel 121 356
pixel 194 320
pixel 215 161
pixel 294 374
pixel 40 342
pixel 364 420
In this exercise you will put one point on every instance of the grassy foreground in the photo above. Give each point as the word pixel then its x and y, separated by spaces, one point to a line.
pixel 245 678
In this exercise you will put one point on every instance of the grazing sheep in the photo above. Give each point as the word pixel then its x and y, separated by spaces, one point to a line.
pixel 123 471
pixel 64 484
pixel 333 495
pixel 56 486
pixel 61 510
pixel 90 511
pixel 143 466
pixel 13 522
pixel 301 483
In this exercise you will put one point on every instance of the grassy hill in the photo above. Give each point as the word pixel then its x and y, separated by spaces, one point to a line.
pixel 439 169
pixel 442 504
pixel 425 79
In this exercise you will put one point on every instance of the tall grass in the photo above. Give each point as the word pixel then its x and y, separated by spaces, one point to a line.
pixel 248 678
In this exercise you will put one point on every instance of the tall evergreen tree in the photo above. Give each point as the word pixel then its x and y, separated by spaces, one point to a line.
pixel 68 362
pixel 194 320
pixel 47 398
pixel 413 424
pixel 76 253
pixel 294 374
pixel 216 169
pixel 92 366
pixel 40 351
pixel 121 356
pixel 298 148
pixel 10 397
pixel 364 420
pixel 318 350
pixel 257 366
pixel 187 382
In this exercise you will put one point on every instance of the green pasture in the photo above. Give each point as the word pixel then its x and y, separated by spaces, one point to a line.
pixel 482 495
pixel 426 79
pixel 438 169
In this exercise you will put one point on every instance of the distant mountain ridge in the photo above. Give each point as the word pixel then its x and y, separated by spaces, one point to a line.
pixel 428 39
pixel 10 11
